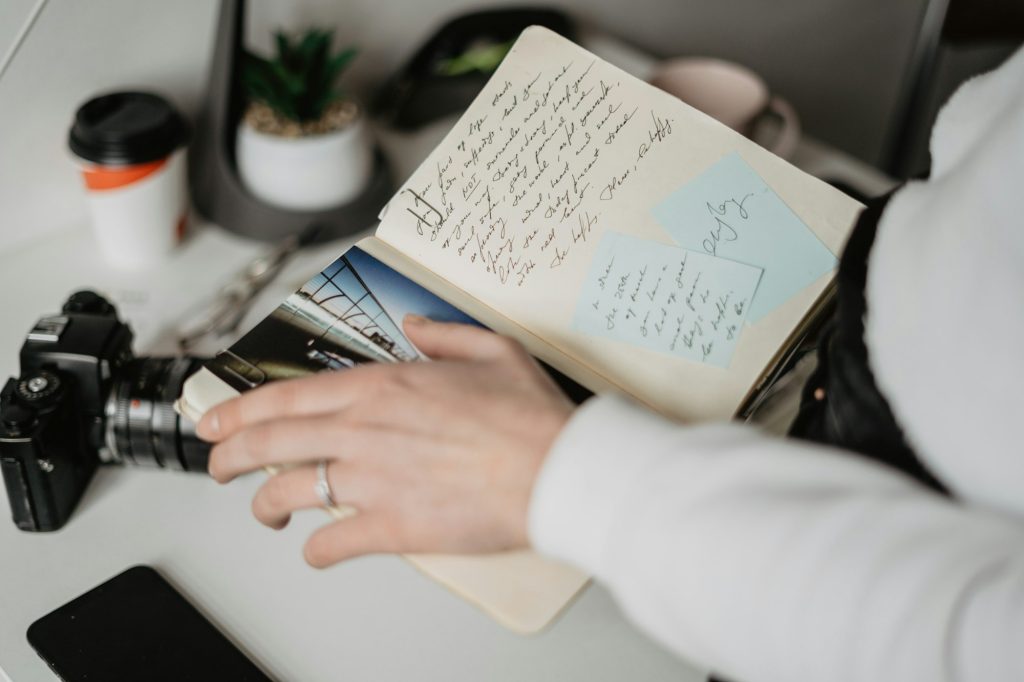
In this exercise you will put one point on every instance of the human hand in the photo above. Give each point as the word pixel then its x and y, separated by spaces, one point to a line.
pixel 436 456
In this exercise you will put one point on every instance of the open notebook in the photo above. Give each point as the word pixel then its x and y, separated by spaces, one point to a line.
pixel 627 240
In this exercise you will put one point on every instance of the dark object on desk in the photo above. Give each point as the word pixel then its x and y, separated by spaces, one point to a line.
pixel 83 399
pixel 136 626
pixel 984 21
pixel 216 188
pixel 424 90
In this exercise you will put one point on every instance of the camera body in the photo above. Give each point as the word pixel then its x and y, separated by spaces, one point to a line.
pixel 83 399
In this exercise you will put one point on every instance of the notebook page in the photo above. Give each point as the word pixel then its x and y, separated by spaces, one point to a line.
pixel 558 150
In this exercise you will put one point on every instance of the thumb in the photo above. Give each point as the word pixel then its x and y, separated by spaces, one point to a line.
pixel 455 341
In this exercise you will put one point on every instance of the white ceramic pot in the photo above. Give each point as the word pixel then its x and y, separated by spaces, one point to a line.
pixel 305 173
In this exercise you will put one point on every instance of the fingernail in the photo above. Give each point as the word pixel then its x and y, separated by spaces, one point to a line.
pixel 210 468
pixel 208 427
pixel 413 318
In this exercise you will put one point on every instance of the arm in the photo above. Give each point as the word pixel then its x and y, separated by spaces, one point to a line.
pixel 768 559
pixel 763 559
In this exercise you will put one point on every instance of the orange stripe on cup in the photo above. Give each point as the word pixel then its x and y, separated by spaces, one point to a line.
pixel 106 177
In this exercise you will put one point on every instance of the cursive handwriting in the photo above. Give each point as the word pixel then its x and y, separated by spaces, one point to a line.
pixel 681 302
pixel 548 148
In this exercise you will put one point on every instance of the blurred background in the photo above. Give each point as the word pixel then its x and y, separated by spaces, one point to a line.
pixel 850 67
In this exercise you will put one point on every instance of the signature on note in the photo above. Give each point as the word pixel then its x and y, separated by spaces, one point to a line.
pixel 722 228
pixel 730 212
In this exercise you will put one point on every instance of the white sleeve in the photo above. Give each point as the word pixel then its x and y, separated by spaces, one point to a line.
pixel 945 320
pixel 767 559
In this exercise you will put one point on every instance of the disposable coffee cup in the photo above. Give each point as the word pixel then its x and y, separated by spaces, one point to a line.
pixel 130 148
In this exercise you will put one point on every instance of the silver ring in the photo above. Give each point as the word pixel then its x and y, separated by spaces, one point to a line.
pixel 323 486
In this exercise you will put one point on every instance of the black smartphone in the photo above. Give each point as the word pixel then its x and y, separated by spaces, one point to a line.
pixel 136 626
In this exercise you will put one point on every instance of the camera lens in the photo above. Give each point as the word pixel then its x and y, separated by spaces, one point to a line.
pixel 142 427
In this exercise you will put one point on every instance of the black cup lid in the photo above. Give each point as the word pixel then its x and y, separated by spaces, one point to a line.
pixel 126 128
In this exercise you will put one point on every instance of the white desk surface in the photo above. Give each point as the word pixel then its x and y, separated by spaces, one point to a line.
pixel 369 619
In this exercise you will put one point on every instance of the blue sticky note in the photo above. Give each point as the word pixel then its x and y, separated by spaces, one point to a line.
pixel 657 296
pixel 729 212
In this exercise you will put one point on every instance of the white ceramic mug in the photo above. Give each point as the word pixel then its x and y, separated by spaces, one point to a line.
pixel 731 93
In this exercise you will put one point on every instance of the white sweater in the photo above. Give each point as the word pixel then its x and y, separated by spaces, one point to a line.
pixel 767 559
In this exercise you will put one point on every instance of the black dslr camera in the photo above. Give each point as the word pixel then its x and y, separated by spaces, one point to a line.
pixel 83 399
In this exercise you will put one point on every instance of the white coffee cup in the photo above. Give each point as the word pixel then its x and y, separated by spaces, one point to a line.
pixel 730 93
pixel 129 147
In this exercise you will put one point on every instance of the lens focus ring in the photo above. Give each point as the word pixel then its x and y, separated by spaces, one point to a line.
pixel 142 427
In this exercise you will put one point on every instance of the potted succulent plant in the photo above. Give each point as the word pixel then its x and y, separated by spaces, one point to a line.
pixel 302 143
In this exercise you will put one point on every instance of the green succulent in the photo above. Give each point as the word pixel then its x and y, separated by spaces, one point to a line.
pixel 484 57
pixel 300 81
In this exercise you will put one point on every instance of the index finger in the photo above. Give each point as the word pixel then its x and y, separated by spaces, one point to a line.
pixel 306 396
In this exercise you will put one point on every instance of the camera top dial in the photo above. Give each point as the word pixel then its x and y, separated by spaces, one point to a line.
pixel 38 388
